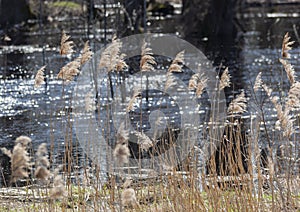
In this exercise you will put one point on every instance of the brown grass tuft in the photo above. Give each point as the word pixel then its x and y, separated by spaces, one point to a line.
pixel 58 190
pixel 285 121
pixel 39 77
pixel 23 140
pixel 170 82
pixel 128 198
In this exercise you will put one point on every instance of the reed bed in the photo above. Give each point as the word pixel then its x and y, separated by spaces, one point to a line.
pixel 235 178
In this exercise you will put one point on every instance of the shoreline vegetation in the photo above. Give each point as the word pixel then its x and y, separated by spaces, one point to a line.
pixel 273 187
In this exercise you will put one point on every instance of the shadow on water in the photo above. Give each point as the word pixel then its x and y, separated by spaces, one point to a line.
pixel 251 44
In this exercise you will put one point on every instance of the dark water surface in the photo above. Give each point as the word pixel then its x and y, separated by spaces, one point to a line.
pixel 44 113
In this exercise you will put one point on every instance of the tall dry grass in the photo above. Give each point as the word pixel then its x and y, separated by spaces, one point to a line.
pixel 234 178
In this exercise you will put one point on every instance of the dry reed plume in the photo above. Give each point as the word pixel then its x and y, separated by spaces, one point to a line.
pixel 294 96
pixel 39 78
pixel 286 46
pixel 128 197
pixel 170 82
pixel 257 83
pixel 285 121
pixel 198 82
pixel 121 151
pixel 111 58
pixel 238 104
pixel 177 63
pixel 66 46
pixel 58 190
pixel 289 69
pixel 89 102
pixel 176 66
pixel 130 106
pixel 86 53
pixel 20 160
pixel 69 71
pixel 225 79
pixel 144 141
pixel 147 62
pixel 42 163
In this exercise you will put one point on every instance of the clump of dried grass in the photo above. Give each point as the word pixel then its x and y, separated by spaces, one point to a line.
pixel 39 78
pixel 66 46
pixel 121 151
pixel 147 61
pixel 128 197
pixel 285 121
pixel 20 159
pixel 42 163
pixel 58 190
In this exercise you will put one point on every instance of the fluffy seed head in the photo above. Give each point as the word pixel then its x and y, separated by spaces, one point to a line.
pixel 289 69
pixel 177 63
pixel 286 46
pixel 86 53
pixel 128 198
pixel 238 105
pixel 69 71
pixel 258 82
pixel 23 140
pixel 147 60
pixel 121 153
pixel 66 46
pixel 39 77
pixel 225 79
pixel 144 141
